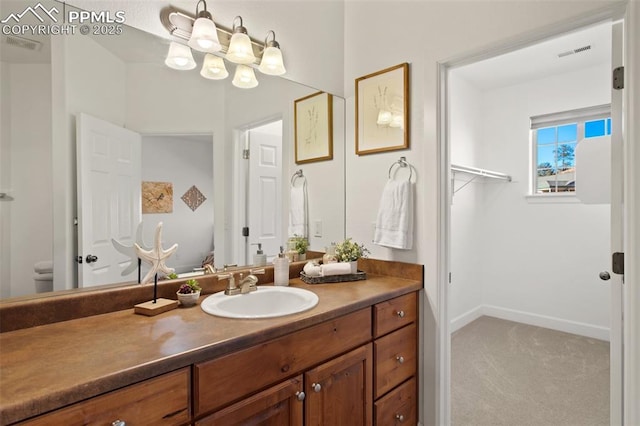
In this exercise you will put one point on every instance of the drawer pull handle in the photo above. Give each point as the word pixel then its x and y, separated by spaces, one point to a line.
pixel 400 359
pixel 400 418
pixel 316 387
pixel 300 395
pixel 400 314
pixel 118 423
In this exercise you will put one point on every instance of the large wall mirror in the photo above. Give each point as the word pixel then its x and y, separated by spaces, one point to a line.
pixel 224 157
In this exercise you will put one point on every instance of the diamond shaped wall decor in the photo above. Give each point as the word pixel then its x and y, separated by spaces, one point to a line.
pixel 193 198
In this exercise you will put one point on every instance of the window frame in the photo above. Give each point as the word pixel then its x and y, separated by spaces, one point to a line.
pixel 576 116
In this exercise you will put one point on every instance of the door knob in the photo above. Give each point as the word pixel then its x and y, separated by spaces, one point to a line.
pixel 604 276
pixel 91 258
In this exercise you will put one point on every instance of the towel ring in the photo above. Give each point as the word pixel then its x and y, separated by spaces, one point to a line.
pixel 402 162
pixel 297 174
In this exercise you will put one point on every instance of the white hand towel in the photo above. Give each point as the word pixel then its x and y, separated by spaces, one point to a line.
pixel 298 211
pixel 337 268
pixel 394 224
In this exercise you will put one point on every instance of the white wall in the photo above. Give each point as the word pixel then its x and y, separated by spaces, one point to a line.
pixel 535 262
pixel 26 142
pixel 183 161
pixel 5 176
pixel 467 246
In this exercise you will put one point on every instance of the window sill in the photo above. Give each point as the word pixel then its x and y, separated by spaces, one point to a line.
pixel 552 198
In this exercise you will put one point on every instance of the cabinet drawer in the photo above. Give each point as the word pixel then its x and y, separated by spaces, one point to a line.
pixel 395 358
pixel 162 400
pixel 394 313
pixel 226 379
pixel 398 407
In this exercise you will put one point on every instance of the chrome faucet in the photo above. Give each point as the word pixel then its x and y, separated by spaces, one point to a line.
pixel 246 285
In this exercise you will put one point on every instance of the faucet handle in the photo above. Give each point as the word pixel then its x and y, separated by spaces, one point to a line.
pixel 259 271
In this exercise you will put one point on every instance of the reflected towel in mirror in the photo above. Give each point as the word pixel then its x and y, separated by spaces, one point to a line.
pixel 298 219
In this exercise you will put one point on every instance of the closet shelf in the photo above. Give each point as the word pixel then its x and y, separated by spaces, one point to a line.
pixel 480 172
pixel 476 172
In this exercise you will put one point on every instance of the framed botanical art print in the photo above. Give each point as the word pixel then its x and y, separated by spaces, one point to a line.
pixel 382 110
pixel 314 128
pixel 157 197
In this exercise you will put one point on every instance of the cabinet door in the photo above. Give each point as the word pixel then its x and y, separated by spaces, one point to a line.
pixel 280 405
pixel 339 392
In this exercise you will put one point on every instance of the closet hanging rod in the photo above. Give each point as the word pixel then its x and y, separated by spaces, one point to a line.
pixel 480 172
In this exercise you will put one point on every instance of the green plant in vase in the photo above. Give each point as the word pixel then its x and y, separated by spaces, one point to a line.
pixel 189 292
pixel 300 244
pixel 350 251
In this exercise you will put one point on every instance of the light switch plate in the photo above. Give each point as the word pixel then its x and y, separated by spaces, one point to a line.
pixel 317 228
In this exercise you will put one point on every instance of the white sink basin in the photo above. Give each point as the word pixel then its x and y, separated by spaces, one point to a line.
pixel 266 302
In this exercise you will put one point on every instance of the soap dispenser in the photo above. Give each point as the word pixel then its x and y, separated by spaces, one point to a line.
pixel 259 259
pixel 281 269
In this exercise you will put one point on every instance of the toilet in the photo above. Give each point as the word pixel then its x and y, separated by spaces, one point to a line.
pixel 43 276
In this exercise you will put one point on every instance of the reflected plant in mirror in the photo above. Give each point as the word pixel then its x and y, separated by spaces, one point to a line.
pixel 234 145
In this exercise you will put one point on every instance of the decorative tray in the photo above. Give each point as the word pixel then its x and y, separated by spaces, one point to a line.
pixel 360 275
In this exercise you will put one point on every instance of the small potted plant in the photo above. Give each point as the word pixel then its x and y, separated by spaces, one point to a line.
pixel 300 245
pixel 350 251
pixel 189 292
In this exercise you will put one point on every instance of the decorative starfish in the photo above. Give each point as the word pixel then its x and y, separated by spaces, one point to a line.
pixel 131 250
pixel 156 256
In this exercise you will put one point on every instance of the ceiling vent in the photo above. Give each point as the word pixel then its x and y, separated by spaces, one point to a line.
pixel 574 51
pixel 23 43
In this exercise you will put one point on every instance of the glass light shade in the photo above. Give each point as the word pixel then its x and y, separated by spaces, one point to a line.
pixel 213 68
pixel 204 36
pixel 244 77
pixel 384 118
pixel 272 63
pixel 240 50
pixel 179 57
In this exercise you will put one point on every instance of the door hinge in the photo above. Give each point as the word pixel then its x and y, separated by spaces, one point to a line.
pixel 449 277
pixel 618 78
pixel 245 231
pixel 245 154
pixel 617 263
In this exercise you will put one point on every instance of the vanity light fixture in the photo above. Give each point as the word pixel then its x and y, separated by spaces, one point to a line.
pixel 271 62
pixel 213 68
pixel 204 36
pixel 240 49
pixel 218 42
pixel 244 77
pixel 179 57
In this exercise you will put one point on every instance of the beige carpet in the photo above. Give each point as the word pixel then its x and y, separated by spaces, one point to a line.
pixel 507 373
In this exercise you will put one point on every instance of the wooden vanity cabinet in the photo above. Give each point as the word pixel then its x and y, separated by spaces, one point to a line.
pixel 396 361
pixel 163 400
pixel 233 378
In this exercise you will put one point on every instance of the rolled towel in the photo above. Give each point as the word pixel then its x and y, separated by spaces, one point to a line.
pixel 43 277
pixel 338 268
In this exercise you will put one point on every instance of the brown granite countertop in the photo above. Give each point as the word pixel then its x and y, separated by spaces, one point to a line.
pixel 49 366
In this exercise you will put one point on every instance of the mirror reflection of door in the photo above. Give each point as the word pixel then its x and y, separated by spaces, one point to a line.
pixel 108 197
pixel 261 193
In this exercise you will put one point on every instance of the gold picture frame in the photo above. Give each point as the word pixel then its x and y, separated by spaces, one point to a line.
pixel 313 121
pixel 382 110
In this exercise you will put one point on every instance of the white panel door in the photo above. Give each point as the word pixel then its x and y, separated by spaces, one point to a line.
pixel 617 236
pixel 109 187
pixel 264 204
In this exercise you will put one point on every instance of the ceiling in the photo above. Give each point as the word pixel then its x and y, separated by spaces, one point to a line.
pixel 542 60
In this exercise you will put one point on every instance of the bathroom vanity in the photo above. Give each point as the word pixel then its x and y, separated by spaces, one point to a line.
pixel 352 359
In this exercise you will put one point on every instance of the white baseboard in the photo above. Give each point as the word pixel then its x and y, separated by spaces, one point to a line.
pixel 466 318
pixel 567 326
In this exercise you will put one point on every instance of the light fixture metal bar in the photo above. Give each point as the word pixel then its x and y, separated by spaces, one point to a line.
pixel 180 24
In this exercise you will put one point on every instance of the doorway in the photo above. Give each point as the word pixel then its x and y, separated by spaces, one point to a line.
pixel 259 190
pixel 512 253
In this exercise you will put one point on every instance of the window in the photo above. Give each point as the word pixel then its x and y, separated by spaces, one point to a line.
pixel 555 138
